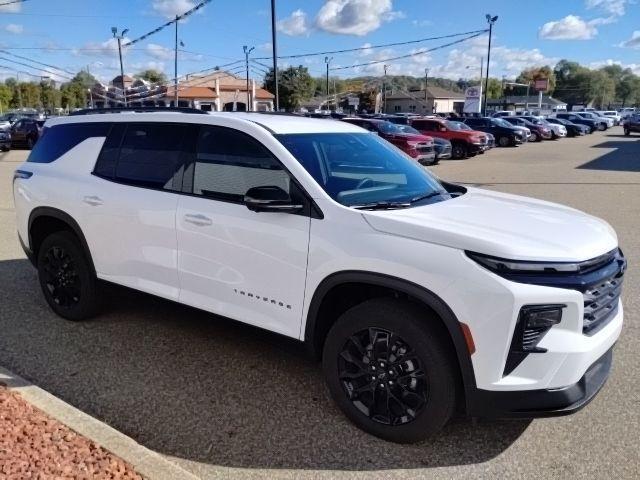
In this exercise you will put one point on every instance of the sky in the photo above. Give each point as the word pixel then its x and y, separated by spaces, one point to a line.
pixel 76 34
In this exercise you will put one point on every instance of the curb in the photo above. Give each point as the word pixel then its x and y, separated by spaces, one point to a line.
pixel 147 463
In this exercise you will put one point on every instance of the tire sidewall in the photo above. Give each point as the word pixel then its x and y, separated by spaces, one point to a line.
pixel 412 326
pixel 87 304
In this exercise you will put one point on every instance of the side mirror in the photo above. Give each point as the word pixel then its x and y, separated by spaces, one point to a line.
pixel 270 199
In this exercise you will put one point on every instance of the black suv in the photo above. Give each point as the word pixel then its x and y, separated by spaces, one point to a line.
pixel 632 124
pixel 504 133
pixel 573 129
pixel 25 132
pixel 573 118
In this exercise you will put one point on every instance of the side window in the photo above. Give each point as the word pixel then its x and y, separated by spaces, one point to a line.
pixel 59 139
pixel 150 155
pixel 106 163
pixel 229 162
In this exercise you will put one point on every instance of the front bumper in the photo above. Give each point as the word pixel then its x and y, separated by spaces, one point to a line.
pixel 543 403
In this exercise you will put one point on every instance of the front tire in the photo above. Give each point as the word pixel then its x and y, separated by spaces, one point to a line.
pixel 504 141
pixel 534 137
pixel 627 132
pixel 30 143
pixel 458 151
pixel 389 368
pixel 66 277
pixel 602 127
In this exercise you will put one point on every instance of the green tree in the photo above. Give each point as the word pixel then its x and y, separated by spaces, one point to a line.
pixel 153 76
pixel 295 85
pixel 6 95
pixel 367 100
pixel 602 88
pixel 494 88
pixel 573 83
pixel 530 75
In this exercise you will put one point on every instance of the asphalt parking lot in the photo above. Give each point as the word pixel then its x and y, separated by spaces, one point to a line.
pixel 229 401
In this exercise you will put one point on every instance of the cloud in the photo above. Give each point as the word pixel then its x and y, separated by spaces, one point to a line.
pixel 159 52
pixel 612 7
pixel 355 17
pixel 634 67
pixel 633 42
pixel 421 23
pixel 295 24
pixel 171 8
pixel 570 27
pixel 108 48
pixel 14 28
pixel 11 8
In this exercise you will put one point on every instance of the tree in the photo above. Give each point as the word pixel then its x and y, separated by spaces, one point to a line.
pixel 153 76
pixel 6 95
pixel 572 83
pixel 602 88
pixel 530 75
pixel 494 88
pixel 367 100
pixel 294 86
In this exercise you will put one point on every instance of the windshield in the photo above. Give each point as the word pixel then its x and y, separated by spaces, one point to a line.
pixel 408 129
pixel 458 125
pixel 501 123
pixel 361 169
pixel 388 127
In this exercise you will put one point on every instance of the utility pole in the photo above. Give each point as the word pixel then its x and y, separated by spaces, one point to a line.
pixel 114 30
pixel 247 51
pixel 175 68
pixel 491 20
pixel 384 90
pixel 327 60
pixel 275 51
pixel 426 84
pixel 19 89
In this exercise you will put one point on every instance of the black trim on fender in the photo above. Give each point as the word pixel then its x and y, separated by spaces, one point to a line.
pixel 416 291
pixel 39 212
pixel 27 251
pixel 543 403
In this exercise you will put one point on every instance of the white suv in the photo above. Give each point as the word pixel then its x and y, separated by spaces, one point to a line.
pixel 421 297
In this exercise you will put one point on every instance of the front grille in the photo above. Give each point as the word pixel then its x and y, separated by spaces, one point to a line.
pixel 424 148
pixel 601 304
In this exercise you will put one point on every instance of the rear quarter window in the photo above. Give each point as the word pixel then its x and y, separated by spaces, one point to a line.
pixel 57 140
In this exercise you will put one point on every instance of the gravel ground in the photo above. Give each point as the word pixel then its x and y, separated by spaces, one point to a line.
pixel 228 401
pixel 33 445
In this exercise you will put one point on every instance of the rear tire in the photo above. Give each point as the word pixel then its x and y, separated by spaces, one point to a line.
pixel 66 277
pixel 627 132
pixel 390 369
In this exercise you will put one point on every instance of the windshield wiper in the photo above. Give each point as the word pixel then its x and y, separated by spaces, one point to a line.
pixel 381 205
pixel 426 196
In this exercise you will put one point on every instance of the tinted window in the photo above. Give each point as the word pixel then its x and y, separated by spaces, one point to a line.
pixel 58 140
pixel 426 126
pixel 106 164
pixel 150 155
pixel 229 162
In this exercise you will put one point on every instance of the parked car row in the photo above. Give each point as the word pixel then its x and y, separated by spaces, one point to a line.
pixel 19 131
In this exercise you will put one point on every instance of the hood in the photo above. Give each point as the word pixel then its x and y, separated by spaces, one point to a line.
pixel 502 225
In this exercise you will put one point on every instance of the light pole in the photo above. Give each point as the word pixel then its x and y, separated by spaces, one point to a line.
pixel 384 90
pixel 426 84
pixel 327 60
pixel 247 51
pixel 491 20
pixel 275 51
pixel 114 30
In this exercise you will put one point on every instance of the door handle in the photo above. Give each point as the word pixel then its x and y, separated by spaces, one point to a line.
pixel 92 200
pixel 198 219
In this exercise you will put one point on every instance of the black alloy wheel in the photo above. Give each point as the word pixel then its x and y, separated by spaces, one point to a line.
pixel 390 367
pixel 66 277
pixel 60 277
pixel 382 376
pixel 458 151
pixel 504 141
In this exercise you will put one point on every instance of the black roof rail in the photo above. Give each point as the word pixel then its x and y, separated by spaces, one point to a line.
pixel 91 111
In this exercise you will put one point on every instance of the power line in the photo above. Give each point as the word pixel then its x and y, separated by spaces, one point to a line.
pixel 170 22
pixel 35 68
pixel 39 63
pixel 408 42
pixel 11 2
pixel 415 54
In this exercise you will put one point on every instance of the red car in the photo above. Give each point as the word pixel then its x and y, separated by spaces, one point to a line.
pixel 464 142
pixel 418 146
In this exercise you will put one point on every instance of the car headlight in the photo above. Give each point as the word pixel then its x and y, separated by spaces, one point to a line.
pixel 504 266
